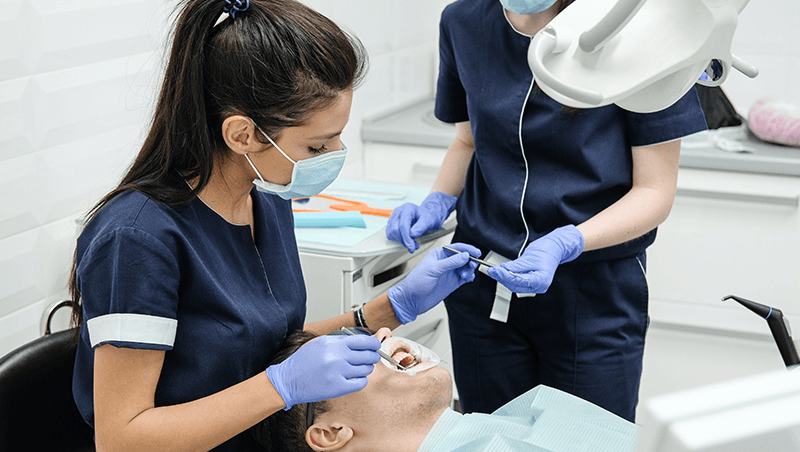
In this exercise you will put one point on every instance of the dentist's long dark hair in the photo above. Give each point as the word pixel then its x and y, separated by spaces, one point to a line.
pixel 276 62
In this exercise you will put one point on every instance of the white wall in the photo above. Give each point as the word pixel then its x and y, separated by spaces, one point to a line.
pixel 77 79
pixel 768 37
pixel 402 40
pixel 75 88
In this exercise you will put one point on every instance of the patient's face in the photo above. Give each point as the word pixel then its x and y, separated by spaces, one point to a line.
pixel 396 397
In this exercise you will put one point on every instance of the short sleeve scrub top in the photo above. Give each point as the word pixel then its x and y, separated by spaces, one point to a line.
pixel 537 166
pixel 216 297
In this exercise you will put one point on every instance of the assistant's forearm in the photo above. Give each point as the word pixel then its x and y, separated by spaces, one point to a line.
pixel 645 206
pixel 638 212
pixel 453 173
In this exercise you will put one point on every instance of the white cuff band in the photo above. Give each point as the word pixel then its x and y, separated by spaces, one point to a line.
pixel 145 329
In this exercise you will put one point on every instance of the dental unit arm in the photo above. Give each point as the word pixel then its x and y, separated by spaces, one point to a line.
pixel 778 325
pixel 642 55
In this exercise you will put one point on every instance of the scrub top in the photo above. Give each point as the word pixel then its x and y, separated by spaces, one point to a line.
pixel 571 164
pixel 186 281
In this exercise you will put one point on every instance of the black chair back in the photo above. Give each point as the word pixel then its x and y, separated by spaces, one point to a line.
pixel 37 411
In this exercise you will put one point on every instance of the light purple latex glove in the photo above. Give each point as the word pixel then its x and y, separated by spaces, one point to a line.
pixel 539 261
pixel 410 221
pixel 438 274
pixel 325 368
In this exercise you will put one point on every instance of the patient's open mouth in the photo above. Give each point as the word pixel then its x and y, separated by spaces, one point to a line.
pixel 410 356
pixel 403 356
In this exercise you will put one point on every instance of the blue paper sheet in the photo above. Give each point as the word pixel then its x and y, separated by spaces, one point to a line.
pixel 382 196
pixel 329 220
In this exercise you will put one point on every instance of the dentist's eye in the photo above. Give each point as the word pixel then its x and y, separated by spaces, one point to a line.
pixel 319 150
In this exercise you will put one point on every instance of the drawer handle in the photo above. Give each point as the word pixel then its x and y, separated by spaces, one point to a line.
pixel 388 275
pixel 777 200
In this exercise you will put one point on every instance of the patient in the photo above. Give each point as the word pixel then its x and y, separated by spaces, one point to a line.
pixel 397 412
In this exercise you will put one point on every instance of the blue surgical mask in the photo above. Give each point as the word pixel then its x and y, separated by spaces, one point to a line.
pixel 309 176
pixel 527 6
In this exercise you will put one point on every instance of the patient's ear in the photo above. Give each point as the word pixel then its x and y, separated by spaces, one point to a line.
pixel 328 436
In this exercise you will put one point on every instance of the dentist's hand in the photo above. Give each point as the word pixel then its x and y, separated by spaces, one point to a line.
pixel 410 221
pixel 437 275
pixel 539 261
pixel 325 368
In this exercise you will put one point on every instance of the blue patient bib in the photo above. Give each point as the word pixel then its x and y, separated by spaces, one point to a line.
pixel 541 420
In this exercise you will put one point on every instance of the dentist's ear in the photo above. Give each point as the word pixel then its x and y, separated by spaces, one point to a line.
pixel 239 134
pixel 323 436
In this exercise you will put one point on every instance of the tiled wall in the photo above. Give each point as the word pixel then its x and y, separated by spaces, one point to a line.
pixel 77 80
pixel 75 88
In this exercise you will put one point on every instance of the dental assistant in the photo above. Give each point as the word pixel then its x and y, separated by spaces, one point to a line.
pixel 188 275
pixel 571 198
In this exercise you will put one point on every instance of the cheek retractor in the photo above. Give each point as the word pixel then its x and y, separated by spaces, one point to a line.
pixel 413 356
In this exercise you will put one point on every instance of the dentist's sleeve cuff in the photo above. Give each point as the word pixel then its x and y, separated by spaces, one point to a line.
pixel 132 328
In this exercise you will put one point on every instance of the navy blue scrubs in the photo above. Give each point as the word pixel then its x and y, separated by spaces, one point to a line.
pixel 586 334
pixel 186 281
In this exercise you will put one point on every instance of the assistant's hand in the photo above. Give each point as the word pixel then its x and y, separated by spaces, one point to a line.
pixel 325 368
pixel 410 221
pixel 437 275
pixel 539 261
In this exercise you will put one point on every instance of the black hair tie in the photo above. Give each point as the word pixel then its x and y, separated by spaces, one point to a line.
pixel 234 6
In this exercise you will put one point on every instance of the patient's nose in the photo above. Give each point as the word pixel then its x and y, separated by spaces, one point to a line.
pixel 383 333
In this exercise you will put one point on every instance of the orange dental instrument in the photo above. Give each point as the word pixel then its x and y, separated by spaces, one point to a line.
pixel 355 206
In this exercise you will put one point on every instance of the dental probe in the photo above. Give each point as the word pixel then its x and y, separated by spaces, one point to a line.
pixel 383 354
pixel 480 261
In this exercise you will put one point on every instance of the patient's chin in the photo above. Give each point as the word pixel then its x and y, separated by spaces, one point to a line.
pixel 439 389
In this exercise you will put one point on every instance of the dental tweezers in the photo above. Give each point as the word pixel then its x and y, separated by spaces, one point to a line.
pixel 480 261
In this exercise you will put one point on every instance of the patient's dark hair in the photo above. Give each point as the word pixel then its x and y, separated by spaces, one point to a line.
pixel 286 430
pixel 563 4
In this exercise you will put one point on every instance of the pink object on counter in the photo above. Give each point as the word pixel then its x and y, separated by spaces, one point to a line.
pixel 776 122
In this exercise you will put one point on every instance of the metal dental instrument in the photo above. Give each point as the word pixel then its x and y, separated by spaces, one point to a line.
pixel 383 354
pixel 480 261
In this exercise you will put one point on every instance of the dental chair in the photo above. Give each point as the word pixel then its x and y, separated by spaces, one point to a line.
pixel 37 411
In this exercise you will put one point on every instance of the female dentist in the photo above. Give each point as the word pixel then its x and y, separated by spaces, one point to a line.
pixel 572 196
pixel 188 277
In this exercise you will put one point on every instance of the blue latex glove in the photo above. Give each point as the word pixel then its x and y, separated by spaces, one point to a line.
pixel 438 274
pixel 539 261
pixel 325 368
pixel 410 221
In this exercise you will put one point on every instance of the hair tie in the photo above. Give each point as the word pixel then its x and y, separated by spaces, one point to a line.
pixel 235 6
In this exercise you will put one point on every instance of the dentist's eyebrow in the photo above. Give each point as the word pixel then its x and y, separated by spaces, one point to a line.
pixel 326 137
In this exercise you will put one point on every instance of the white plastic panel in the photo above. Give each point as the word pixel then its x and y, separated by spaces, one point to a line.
pixel 19 193
pixel 18 259
pixel 17 127
pixel 77 33
pixel 86 100
pixel 77 84
pixel 12 35
pixel 76 174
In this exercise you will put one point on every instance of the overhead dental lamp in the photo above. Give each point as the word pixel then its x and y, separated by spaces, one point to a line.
pixel 642 55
